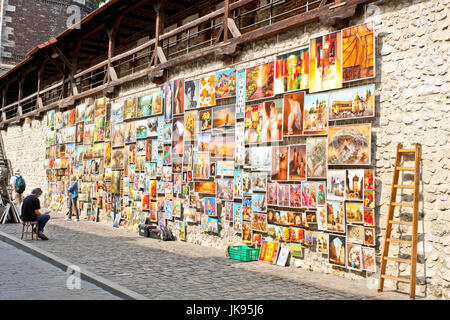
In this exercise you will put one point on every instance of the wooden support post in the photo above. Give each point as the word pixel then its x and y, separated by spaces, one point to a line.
pixel 5 91
pixel 19 106
pixel 225 21
pixel 159 25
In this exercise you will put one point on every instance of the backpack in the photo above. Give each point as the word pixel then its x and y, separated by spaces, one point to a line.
pixel 19 185
pixel 166 234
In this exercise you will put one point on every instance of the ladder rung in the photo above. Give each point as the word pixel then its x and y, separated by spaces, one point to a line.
pixel 395 278
pixel 398 260
pixel 402 204
pixel 407 150
pixel 403 186
pixel 408 223
pixel 399 241
pixel 405 168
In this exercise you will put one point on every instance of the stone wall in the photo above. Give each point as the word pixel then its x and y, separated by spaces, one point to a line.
pixel 412 102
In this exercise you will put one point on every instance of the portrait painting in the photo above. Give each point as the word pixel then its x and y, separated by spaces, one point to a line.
pixel 354 181
pixel 225 83
pixel 292 71
pixel 279 163
pixel 293 114
pixel 208 91
pixel 316 157
pixel 259 82
pixel 297 163
pixel 358 52
pixel 352 103
pixel 337 250
pixel 178 135
pixel 335 216
pixel 325 62
pixel 349 144
pixel 178 97
pixel 272 121
pixel 224 119
pixel 191 94
pixel 354 212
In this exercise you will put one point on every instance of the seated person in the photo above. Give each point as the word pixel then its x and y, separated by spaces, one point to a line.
pixel 31 212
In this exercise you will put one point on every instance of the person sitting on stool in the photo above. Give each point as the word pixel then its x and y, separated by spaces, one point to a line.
pixel 31 212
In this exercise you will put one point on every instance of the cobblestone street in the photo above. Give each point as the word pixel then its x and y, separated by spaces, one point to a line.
pixel 179 270
pixel 25 277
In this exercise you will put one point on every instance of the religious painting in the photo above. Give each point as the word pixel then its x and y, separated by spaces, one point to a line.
pixel 316 157
pixel 354 185
pixel 246 232
pixel 352 103
pixel 269 251
pixel 225 83
pixel 240 95
pixel 144 106
pixel 354 212
pixel 129 131
pixel 207 91
pixel 253 124
pixel 368 259
pixel 369 217
pixel 292 71
pixel 259 82
pixel 336 250
pixel 191 94
pixel 190 125
pixel 358 52
pixel 325 62
pixel 293 114
pixel 224 119
pixel 335 216
pixel 295 195
pixel 79 115
pixel 349 144
pixel 222 146
pixel 117 160
pixel 280 163
pixel 369 236
pixel 100 107
pixel 201 165
pixel 224 189
pixel 178 135
pixel 89 133
pixel 237 217
pixel 355 234
pixel 272 121
pixel 168 100
pixel 272 194
pixel 297 163
pixel 259 222
pixel 129 108
pixel 205 118
pixel 157 102
pixel 178 97
pixel 354 256
pixel 283 195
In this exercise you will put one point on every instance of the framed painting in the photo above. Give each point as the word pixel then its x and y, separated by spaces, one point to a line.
pixel 210 206
pixel 246 232
pixel 89 133
pixel 227 211
pixel 141 129
pixel 208 91
pixel 269 251
pixel 309 194
pixel 354 185
pixel 315 114
pixel 355 234
pixel 293 106
pixel 358 52
pixel 80 109
pixel 237 217
pixel 335 216
pixel 224 188
pixel 297 163
pixel 280 163
pixel 368 259
pixel 178 135
pixel 292 71
pixel 258 181
pixel 369 217
pixel 191 94
pixel 205 187
pixel 224 119
pixel 178 97
pixel 336 185
pixel 225 84
pixel 321 218
pixel 354 256
pixel 354 212
pixel 168 100
pixel 225 168
pixel 272 194
pixel 368 180
pixel 129 108
pixel 205 118
pixel 144 106
pixel 295 195
pixel 129 131
pixel 325 62
pixel 259 202
pixel 272 121
pixel 369 236
pixel 222 146
pixel 337 250
pixel 349 144
pixel 190 125
pixel 157 102
pixel 252 124
pixel 238 184
pixel 259 82
pixel 259 222
pixel 201 165
pixel 283 195
pixel 100 107
pixel 316 157
pixel 352 103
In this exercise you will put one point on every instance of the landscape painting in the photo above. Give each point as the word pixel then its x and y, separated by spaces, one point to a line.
pixel 352 103
pixel 259 82
pixel 226 83
pixel 224 119
pixel 315 114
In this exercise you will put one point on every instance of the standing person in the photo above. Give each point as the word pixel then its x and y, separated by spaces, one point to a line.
pixel 73 201
pixel 18 184
pixel 31 212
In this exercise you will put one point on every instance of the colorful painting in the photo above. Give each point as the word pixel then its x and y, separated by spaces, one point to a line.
pixel 309 195
pixel 144 106
pixel 117 135
pixel 292 71
pixel 280 163
pixel 336 185
pixel 349 144
pixel 358 52
pixel 80 133
pixel 354 185
pixel 253 124
pixel 224 119
pixel 369 217
pixel 237 217
pixel 336 250
pixel 225 168
pixel 316 157
pixel 100 107
pixel 205 118
pixel 246 232
pixel 368 259
pixel 141 129
pixel 269 251
pixel 368 180
pixel 178 130
pixel 191 94
pixel 205 187
pixel 259 82
pixel 79 116
pixel 129 108
pixel 369 236
pixel 354 212
pixel 315 114
pixel 201 165
pixel 352 103
pixel 210 206
pixel 295 195
pixel 178 97
pixel 129 131
pixel 224 189
pixel 89 133
pixel 297 163
pixel 207 91
pixel 259 222
pixel 238 184
pixel 259 202
pixel 240 95
pixel 293 114
pixel 222 146
pixel 190 125
pixel 325 62
pixel 354 256
pixel 225 83
pixel 157 102
pixel 210 225
pixel 272 121
pixel 335 216
pixel 355 234
pixel 321 214
pixel 115 182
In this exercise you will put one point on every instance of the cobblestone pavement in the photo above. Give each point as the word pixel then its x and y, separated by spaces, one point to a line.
pixel 180 270
pixel 25 277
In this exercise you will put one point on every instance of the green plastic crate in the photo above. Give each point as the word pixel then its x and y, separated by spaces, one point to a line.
pixel 243 253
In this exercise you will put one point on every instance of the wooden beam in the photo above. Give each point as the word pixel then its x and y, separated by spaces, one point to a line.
pixel 225 20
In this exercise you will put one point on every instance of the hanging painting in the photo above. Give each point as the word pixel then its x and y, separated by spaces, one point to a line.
pixel 272 121
pixel 352 103
pixel 225 83
pixel 292 71
pixel 293 114
pixel 207 91
pixel 259 82
pixel 336 250
pixel 191 94
pixel 349 144
pixel 297 163
pixel 178 97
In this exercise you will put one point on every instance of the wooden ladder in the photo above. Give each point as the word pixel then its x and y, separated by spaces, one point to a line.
pixel 390 220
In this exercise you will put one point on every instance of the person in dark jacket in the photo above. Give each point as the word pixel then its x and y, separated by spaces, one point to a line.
pixel 73 201
pixel 31 211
